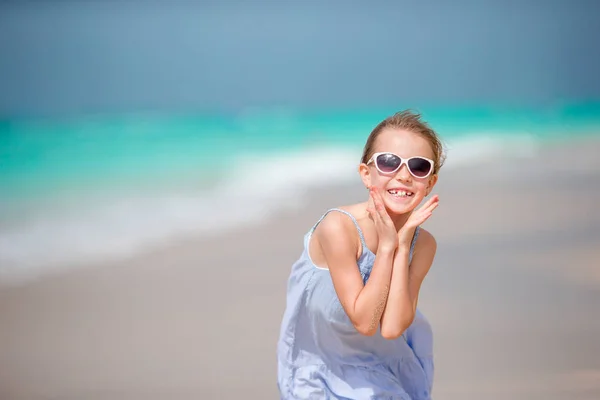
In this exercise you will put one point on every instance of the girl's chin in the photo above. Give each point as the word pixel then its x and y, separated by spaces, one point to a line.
pixel 400 205
pixel 399 209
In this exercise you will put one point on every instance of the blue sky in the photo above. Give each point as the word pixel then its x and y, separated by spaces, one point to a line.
pixel 70 57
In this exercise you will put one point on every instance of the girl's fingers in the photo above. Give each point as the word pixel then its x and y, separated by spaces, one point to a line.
pixel 419 218
pixel 434 200
pixel 433 206
pixel 370 204
pixel 426 211
pixel 424 217
pixel 373 206
pixel 430 205
pixel 376 199
pixel 385 217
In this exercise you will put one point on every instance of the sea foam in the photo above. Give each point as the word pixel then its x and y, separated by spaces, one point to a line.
pixel 121 224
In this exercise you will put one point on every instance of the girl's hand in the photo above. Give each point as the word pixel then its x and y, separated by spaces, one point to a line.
pixel 386 231
pixel 405 235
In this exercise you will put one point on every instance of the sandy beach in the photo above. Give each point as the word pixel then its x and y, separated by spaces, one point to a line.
pixel 513 298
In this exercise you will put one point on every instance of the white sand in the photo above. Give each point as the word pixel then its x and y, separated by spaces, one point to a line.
pixel 513 297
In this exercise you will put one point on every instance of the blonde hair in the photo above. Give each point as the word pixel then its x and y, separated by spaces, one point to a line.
pixel 409 121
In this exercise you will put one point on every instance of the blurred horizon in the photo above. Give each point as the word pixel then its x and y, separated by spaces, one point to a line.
pixel 78 58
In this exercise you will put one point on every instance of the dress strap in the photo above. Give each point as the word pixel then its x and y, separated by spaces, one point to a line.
pixel 412 244
pixel 360 232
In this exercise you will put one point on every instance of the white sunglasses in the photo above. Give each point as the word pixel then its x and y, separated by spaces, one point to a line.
pixel 389 163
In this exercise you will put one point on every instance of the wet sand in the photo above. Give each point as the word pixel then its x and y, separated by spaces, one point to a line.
pixel 513 298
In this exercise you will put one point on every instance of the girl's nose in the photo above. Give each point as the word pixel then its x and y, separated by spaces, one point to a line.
pixel 403 174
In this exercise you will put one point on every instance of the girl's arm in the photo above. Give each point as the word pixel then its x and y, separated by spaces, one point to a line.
pixel 363 303
pixel 405 285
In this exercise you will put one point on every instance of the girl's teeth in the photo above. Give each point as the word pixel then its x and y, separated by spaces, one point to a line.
pixel 400 193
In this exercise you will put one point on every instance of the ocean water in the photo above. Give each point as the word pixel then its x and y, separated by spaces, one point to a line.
pixel 94 189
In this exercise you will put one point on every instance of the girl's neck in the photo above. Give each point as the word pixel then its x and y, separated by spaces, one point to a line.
pixel 400 220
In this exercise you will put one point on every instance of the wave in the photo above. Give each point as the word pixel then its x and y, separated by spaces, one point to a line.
pixel 121 224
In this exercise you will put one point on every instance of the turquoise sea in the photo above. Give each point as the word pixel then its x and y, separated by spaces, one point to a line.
pixel 103 186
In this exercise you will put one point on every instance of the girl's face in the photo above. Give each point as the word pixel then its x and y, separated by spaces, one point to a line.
pixel 401 191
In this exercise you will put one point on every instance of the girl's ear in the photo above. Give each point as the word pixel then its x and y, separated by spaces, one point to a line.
pixel 432 181
pixel 365 175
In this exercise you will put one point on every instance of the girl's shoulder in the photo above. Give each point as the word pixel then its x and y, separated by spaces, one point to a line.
pixel 345 216
pixel 425 239
pixel 340 218
pixel 356 210
pixel 348 223
pixel 425 243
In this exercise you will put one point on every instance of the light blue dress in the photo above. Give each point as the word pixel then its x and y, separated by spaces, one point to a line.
pixel 322 356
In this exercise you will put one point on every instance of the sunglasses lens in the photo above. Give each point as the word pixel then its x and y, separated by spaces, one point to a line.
pixel 419 167
pixel 388 162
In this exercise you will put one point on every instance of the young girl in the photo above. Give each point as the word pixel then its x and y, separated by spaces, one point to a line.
pixel 351 328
